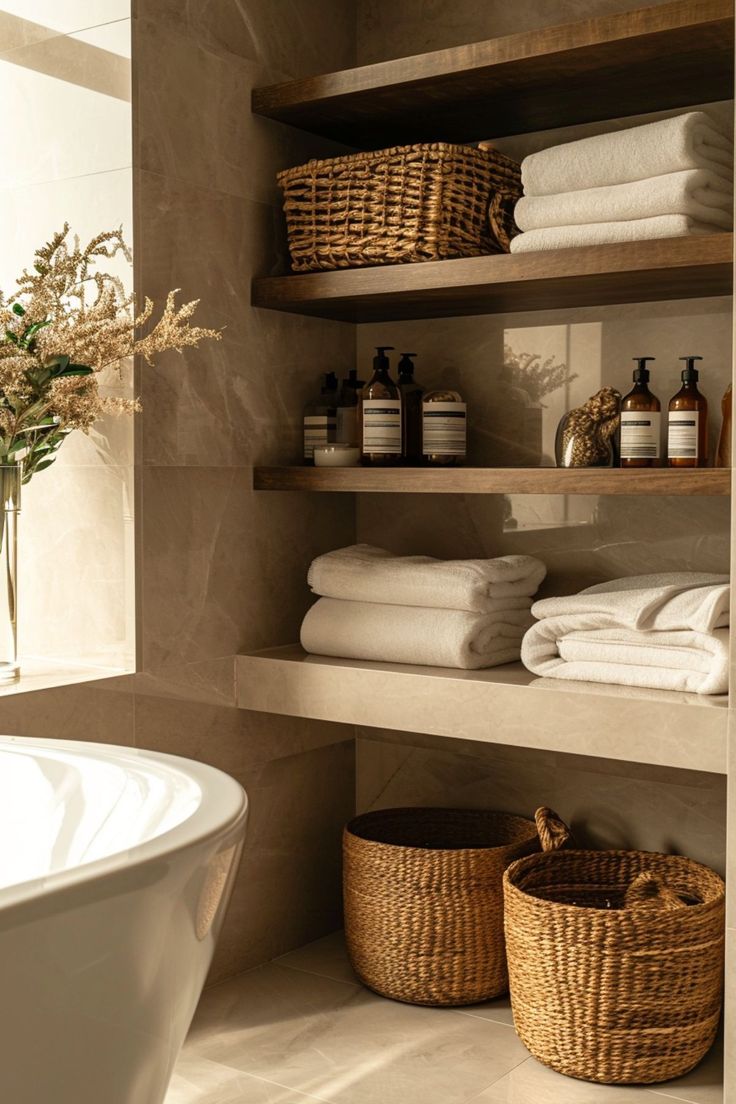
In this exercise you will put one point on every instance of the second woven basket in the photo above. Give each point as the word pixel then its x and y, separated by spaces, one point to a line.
pixel 615 961
pixel 424 901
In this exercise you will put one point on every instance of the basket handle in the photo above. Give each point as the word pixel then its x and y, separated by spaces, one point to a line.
pixel 649 891
pixel 552 830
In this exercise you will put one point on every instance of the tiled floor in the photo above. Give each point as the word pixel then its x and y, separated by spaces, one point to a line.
pixel 302 1029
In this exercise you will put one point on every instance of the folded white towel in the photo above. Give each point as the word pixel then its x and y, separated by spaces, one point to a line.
pixel 606 233
pixel 411 634
pixel 694 140
pixel 665 601
pixel 363 573
pixel 682 660
pixel 700 194
pixel 663 631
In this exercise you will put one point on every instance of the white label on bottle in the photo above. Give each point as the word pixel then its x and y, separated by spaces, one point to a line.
pixel 682 435
pixel 319 429
pixel 640 430
pixel 382 426
pixel 443 428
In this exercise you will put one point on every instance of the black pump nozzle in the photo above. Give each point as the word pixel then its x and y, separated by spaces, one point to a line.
pixel 406 364
pixel 690 372
pixel 330 382
pixel 641 374
pixel 381 361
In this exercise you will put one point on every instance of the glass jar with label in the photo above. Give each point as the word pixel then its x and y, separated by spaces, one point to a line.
pixel 320 417
pixel 444 428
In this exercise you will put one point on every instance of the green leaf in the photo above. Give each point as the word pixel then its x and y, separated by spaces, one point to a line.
pixel 19 310
pixel 74 370
pixel 10 336
pixel 44 464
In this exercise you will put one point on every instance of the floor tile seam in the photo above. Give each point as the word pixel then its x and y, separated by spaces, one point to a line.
pixel 488 1019
pixel 317 973
pixel 276 1084
pixel 497 1080
pixel 667 1096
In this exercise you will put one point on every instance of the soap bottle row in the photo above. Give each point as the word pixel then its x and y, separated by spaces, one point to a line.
pixel 384 422
pixel 687 423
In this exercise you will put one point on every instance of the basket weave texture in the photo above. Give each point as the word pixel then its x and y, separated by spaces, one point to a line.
pixel 405 204
pixel 424 902
pixel 615 961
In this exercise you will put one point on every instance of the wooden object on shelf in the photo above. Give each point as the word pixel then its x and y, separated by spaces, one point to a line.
pixel 610 66
pixel 627 272
pixel 608 481
pixel 503 705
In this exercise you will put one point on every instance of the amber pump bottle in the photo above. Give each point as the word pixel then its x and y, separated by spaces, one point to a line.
pixel 640 422
pixel 379 414
pixel 687 422
pixel 411 411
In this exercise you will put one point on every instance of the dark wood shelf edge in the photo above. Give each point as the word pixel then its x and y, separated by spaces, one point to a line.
pixel 645 59
pixel 573 481
pixel 645 271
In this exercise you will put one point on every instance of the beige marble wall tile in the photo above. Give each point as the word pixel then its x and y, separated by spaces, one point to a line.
pixel 288 890
pixel 237 152
pixel 224 568
pixel 103 712
pixel 640 808
pixel 298 37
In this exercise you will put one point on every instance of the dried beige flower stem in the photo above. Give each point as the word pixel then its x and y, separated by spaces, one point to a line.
pixel 66 324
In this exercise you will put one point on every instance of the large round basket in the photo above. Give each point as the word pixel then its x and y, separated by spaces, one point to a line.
pixel 615 962
pixel 424 901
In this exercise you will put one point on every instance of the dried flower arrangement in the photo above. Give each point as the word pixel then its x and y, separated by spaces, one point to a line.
pixel 66 325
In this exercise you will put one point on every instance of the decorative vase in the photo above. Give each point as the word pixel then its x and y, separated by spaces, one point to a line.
pixel 586 436
pixel 10 478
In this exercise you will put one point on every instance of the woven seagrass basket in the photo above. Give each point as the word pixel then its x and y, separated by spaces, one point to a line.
pixel 615 962
pixel 405 204
pixel 424 903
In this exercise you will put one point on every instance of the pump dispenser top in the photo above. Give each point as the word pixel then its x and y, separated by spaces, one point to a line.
pixel 690 372
pixel 381 361
pixel 641 374
pixel 406 364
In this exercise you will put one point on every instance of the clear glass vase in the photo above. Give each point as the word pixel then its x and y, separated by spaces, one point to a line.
pixel 10 477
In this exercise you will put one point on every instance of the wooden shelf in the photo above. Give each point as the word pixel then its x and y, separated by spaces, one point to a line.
pixel 631 272
pixel 499 706
pixel 631 62
pixel 608 481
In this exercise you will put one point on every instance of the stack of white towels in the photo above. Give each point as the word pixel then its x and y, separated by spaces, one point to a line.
pixel 418 610
pixel 665 179
pixel 667 631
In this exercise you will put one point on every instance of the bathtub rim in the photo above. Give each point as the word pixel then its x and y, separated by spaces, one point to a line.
pixel 222 813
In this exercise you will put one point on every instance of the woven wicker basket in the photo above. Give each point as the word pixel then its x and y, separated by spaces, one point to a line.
pixel 424 903
pixel 615 961
pixel 409 203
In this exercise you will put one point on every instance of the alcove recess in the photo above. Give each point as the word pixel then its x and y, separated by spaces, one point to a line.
pixel 635 63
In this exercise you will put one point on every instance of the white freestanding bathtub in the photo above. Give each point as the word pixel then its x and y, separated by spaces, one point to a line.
pixel 115 870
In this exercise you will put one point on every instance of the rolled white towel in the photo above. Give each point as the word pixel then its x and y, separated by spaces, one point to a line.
pixel 364 573
pixel 697 193
pixel 608 233
pixel 414 635
pixel 690 141
pixel 683 660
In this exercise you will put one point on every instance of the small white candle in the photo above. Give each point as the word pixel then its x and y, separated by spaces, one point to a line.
pixel 336 456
